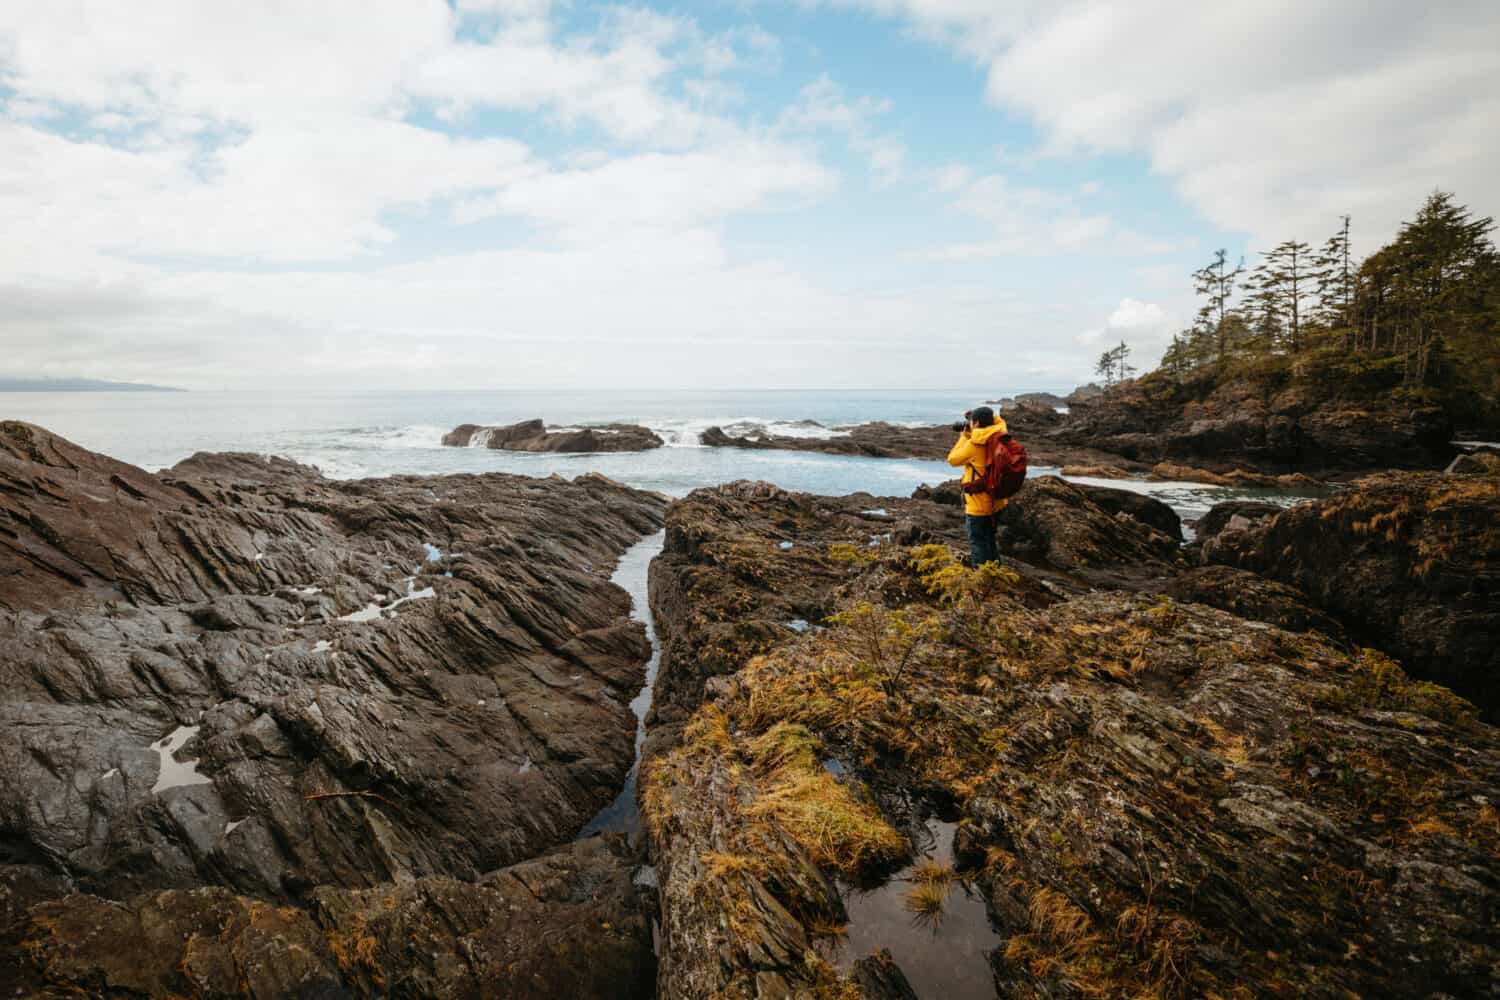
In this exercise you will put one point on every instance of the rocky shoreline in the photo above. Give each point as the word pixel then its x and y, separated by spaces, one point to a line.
pixel 300 737
pixel 1242 435
pixel 1211 794
pixel 278 729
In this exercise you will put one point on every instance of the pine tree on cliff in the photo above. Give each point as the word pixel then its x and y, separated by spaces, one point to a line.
pixel 1336 285
pixel 1215 280
pixel 1284 284
pixel 1432 291
pixel 1113 366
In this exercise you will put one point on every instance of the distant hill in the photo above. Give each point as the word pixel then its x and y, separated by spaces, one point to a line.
pixel 8 384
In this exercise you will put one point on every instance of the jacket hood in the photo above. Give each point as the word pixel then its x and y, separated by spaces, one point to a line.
pixel 985 433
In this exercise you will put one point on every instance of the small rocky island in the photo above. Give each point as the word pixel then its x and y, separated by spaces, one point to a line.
pixel 873 440
pixel 533 435
pixel 271 734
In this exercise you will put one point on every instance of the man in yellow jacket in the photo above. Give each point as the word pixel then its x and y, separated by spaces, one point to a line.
pixel 980 507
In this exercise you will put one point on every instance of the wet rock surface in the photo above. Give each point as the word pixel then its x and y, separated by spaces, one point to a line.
pixel 1155 797
pixel 246 686
pixel 533 435
pixel 1408 563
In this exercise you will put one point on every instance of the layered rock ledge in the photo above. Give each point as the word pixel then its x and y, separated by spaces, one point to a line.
pixel 1408 562
pixel 265 732
pixel 533 435
pixel 1153 797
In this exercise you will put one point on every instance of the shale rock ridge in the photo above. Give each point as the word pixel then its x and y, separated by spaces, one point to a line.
pixel 1217 793
pixel 266 733
pixel 533 435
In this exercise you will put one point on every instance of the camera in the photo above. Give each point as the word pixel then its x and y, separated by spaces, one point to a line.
pixel 959 426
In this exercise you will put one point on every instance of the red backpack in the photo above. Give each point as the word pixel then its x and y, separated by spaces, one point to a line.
pixel 1004 470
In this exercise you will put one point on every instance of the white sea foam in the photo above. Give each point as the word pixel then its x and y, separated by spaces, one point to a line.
pixel 684 433
pixel 175 773
pixel 407 436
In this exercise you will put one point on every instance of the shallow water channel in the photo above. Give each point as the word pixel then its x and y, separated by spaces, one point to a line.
pixel 630 575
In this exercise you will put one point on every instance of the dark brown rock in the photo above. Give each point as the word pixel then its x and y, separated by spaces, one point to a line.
pixel 274 682
pixel 1480 462
pixel 1061 525
pixel 1264 421
pixel 533 435
pixel 1156 797
pixel 1252 597
pixel 1233 515
pixel 1140 506
pixel 949 493
pixel 881 978
pixel 872 440
pixel 1144 508
pixel 1408 562
pixel 569 924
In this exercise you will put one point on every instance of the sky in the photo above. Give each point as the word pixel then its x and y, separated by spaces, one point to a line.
pixel 722 194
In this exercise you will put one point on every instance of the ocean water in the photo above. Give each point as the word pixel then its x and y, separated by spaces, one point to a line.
pixel 352 434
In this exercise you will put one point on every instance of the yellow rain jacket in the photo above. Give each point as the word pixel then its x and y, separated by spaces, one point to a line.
pixel 969 453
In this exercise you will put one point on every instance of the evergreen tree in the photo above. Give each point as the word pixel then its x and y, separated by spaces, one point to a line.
pixel 1336 284
pixel 1123 368
pixel 1113 366
pixel 1215 280
pixel 1284 283
pixel 1431 292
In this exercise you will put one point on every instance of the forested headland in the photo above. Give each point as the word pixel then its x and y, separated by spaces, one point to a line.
pixel 1416 322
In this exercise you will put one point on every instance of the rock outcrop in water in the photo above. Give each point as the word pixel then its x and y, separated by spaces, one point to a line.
pixel 533 435
pixel 312 737
pixel 872 440
pixel 1153 797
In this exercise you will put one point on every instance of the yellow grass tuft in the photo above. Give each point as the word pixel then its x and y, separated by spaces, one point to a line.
pixel 836 829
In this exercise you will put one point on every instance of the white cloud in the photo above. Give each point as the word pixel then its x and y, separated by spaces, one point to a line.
pixel 660 192
pixel 1272 118
pixel 1145 327
pixel 243 63
pixel 613 81
pixel 1026 219
pixel 822 104
pixel 299 189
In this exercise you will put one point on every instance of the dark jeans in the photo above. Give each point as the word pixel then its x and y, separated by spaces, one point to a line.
pixel 983 547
